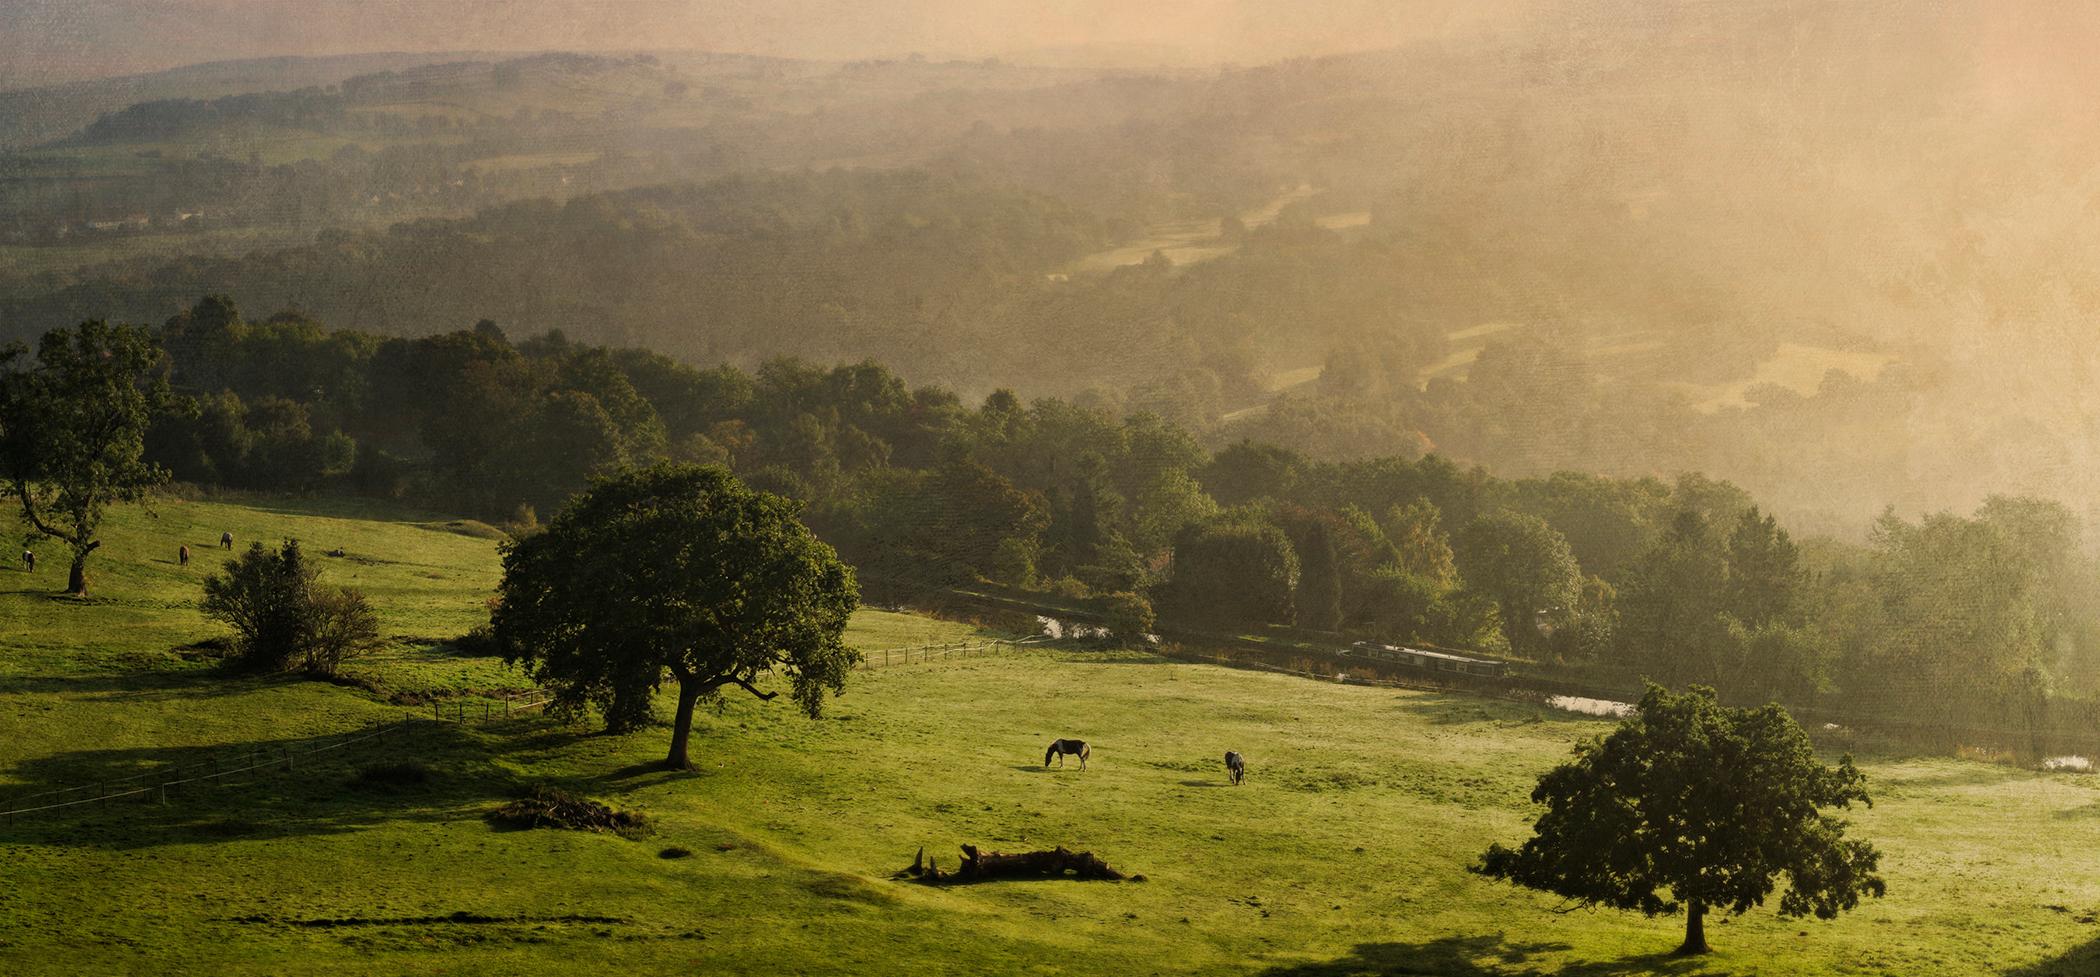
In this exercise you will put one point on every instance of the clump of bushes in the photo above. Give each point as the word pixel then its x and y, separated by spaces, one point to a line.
pixel 282 618
pixel 1130 618
pixel 551 807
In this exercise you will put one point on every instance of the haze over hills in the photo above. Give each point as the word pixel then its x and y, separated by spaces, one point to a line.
pixel 41 113
pixel 1359 391
pixel 1833 253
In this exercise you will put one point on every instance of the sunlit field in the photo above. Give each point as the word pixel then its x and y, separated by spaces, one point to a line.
pixel 1345 852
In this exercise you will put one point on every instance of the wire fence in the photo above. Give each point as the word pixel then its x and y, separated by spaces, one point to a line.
pixel 152 785
pixel 462 711
pixel 912 654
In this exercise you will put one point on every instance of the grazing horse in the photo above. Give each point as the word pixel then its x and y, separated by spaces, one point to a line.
pixel 1235 766
pixel 1063 748
pixel 182 554
pixel 226 540
pixel 29 560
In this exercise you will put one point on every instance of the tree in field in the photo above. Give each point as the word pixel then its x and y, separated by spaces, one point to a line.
pixel 73 430
pixel 1707 803
pixel 678 570
pixel 1526 568
pixel 283 616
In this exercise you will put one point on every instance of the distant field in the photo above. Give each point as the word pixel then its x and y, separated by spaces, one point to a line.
pixel 28 259
pixel 1343 854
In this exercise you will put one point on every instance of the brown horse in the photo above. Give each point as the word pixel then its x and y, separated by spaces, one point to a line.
pixel 182 554
pixel 1063 748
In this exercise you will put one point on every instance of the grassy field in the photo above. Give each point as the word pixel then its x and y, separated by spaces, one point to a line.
pixel 1343 854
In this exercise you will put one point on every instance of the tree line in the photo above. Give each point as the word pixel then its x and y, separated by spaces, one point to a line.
pixel 662 568
pixel 1952 621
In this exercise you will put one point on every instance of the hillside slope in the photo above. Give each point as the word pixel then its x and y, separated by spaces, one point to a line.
pixel 1344 853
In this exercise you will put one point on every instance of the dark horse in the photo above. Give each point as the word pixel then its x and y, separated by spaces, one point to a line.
pixel 226 541
pixel 1062 748
pixel 182 555
pixel 1235 766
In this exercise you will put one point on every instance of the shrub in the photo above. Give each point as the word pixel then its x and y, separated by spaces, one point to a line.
pixel 1130 618
pixel 282 618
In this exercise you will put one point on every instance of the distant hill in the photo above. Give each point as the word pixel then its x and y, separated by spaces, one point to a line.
pixel 29 116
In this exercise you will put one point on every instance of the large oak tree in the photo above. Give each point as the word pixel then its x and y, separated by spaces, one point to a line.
pixel 73 430
pixel 676 571
pixel 1708 803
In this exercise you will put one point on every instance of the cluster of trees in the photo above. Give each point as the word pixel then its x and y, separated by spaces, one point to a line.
pixel 651 571
pixel 1953 620
pixel 960 279
pixel 831 266
pixel 283 617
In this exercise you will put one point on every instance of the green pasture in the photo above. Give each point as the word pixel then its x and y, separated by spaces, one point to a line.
pixel 1344 853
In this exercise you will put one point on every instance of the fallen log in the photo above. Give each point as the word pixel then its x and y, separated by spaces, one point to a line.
pixel 977 866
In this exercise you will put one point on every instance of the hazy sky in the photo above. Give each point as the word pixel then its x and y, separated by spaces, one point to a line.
pixel 56 40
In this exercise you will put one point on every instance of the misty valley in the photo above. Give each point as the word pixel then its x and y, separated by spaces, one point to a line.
pixel 1565 489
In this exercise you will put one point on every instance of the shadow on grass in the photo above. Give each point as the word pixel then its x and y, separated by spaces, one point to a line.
pixel 636 776
pixel 269 788
pixel 294 789
pixel 1486 956
pixel 147 686
pixel 2082 961
pixel 1204 783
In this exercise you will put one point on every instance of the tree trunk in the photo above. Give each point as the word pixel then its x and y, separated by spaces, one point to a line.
pixel 682 726
pixel 76 580
pixel 1694 931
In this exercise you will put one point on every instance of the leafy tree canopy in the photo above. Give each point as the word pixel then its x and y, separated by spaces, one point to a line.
pixel 73 430
pixel 678 570
pixel 1706 803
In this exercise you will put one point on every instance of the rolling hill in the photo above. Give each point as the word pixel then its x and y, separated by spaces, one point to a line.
pixel 1344 853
